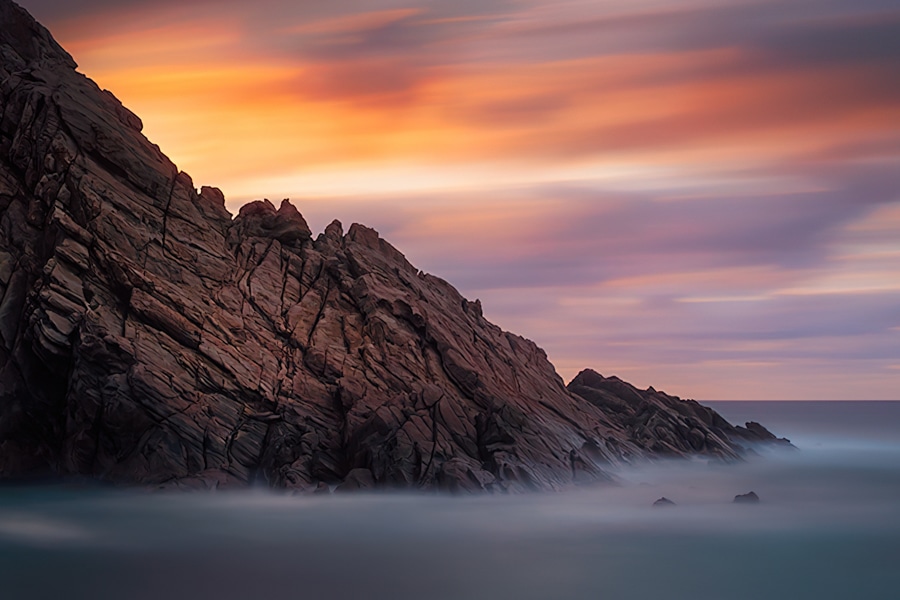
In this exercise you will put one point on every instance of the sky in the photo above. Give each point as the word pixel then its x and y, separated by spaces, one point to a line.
pixel 698 195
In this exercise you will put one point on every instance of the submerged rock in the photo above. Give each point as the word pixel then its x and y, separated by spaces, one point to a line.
pixel 748 498
pixel 146 337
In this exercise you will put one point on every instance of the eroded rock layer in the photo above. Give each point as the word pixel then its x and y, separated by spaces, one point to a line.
pixel 146 337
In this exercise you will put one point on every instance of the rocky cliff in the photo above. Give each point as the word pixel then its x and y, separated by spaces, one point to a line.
pixel 147 337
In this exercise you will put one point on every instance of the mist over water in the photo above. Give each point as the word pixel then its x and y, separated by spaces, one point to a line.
pixel 828 526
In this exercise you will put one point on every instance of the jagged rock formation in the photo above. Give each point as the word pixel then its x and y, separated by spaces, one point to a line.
pixel 148 338
pixel 667 425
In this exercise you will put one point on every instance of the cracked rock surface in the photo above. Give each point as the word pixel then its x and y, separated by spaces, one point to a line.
pixel 147 337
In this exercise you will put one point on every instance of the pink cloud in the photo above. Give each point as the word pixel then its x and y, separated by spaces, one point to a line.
pixel 701 197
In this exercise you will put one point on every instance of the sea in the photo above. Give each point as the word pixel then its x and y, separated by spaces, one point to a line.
pixel 827 527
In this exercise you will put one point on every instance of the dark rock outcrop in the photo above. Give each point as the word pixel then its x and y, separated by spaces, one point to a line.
pixel 663 502
pixel 148 338
pixel 667 425
pixel 748 498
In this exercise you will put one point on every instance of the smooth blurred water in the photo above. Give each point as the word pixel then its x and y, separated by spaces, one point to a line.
pixel 828 526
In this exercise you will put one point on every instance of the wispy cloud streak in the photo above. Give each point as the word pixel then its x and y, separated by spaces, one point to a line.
pixel 700 195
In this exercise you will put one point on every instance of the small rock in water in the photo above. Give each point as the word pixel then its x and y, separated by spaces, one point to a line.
pixel 749 498
pixel 663 502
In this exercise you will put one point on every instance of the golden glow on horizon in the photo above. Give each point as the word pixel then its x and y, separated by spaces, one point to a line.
pixel 242 121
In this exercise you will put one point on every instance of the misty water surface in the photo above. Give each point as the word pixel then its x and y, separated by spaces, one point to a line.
pixel 828 526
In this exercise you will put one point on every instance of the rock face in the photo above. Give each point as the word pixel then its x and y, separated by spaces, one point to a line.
pixel 146 337
pixel 667 425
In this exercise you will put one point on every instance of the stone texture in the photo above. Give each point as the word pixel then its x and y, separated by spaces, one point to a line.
pixel 146 337
pixel 666 425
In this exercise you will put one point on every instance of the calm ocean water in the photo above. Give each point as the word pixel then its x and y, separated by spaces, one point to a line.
pixel 828 527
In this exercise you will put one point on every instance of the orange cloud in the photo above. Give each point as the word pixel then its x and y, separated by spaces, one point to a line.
pixel 677 190
pixel 224 114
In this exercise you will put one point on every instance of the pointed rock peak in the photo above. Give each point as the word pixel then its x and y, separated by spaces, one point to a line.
pixel 260 219
pixel 211 202
pixel 256 209
pixel 287 209
pixel 288 214
pixel 588 378
pixel 213 195
pixel 334 230
pixel 333 234
pixel 473 307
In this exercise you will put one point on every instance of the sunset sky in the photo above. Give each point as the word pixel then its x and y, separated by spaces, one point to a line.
pixel 699 195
